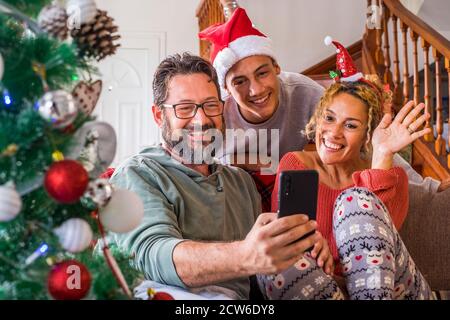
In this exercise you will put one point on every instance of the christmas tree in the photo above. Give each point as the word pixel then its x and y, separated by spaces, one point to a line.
pixel 54 208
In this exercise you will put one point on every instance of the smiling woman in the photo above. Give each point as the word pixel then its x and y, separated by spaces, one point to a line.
pixel 363 199
pixel 359 108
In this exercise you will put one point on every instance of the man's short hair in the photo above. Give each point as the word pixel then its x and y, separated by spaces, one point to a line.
pixel 180 64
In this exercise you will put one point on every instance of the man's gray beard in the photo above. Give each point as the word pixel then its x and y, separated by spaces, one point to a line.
pixel 195 154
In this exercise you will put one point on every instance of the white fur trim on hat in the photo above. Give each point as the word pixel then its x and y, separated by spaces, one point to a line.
pixel 239 49
pixel 353 78
pixel 328 40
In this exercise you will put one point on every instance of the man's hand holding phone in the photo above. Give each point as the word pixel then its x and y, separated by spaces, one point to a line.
pixel 297 193
pixel 273 244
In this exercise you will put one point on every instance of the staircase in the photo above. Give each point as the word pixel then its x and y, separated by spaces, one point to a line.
pixel 373 55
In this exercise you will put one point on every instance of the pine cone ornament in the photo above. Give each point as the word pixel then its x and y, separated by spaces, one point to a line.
pixel 53 20
pixel 96 38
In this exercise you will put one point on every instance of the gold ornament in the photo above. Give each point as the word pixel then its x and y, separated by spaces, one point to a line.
pixel 10 150
pixel 51 261
pixel 41 71
pixel 57 156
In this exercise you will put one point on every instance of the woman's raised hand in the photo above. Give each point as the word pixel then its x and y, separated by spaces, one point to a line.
pixel 392 135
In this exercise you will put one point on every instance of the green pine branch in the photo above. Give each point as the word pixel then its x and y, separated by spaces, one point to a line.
pixel 29 7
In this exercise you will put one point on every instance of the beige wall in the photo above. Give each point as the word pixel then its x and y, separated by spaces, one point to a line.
pixel 174 17
pixel 298 27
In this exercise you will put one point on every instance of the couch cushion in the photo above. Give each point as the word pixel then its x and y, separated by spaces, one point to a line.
pixel 426 233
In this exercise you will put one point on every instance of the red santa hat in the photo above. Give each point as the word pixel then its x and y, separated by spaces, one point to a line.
pixel 344 62
pixel 233 41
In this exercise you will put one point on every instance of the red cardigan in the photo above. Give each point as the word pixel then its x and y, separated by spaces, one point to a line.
pixel 391 186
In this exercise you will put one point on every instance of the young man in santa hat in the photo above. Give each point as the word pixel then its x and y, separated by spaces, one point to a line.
pixel 273 107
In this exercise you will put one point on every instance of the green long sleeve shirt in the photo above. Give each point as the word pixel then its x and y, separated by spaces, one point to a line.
pixel 182 204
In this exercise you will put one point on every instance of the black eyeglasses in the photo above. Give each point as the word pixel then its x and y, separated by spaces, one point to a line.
pixel 189 110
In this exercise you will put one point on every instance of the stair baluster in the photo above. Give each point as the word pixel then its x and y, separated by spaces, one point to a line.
pixel 414 39
pixel 378 52
pixel 404 28
pixel 427 97
pixel 208 12
pixel 397 90
pixel 439 144
pixel 447 67
pixel 387 77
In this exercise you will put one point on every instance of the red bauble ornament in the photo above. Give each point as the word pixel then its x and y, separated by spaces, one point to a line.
pixel 69 280
pixel 153 295
pixel 162 296
pixel 66 181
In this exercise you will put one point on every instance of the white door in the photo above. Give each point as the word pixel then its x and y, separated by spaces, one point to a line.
pixel 126 99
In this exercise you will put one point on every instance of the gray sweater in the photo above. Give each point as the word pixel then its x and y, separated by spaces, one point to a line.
pixel 299 96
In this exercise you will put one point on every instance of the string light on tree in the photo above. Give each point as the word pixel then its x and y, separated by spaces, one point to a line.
pixel 42 250
pixel 7 98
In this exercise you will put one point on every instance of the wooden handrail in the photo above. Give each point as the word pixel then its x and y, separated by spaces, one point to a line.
pixel 200 8
pixel 208 12
pixel 413 29
pixel 434 38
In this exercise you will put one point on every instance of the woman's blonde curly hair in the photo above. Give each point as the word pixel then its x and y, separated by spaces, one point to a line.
pixel 369 90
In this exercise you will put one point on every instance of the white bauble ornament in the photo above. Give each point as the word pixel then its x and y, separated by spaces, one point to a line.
pixel 81 11
pixel 123 212
pixel 75 235
pixel 10 202
pixel 2 66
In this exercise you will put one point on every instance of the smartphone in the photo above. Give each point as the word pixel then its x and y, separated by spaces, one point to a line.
pixel 297 193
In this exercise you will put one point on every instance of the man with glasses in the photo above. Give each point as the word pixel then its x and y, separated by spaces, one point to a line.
pixel 203 227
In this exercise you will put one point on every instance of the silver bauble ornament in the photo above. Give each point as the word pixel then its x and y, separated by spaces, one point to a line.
pixel 75 235
pixel 10 202
pixel 99 191
pixel 95 148
pixel 58 107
